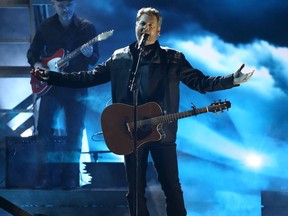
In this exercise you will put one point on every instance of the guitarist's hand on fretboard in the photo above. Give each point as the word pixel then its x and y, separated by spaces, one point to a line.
pixel 87 50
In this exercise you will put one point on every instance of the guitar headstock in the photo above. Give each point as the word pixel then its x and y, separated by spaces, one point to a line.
pixel 219 106
pixel 105 35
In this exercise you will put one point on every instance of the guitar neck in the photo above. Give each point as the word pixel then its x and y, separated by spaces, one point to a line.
pixel 173 117
pixel 77 51
pixel 74 53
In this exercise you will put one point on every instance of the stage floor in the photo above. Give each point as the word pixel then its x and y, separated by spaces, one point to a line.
pixel 80 202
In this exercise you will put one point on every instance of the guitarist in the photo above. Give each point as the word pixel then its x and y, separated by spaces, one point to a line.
pixel 160 71
pixel 64 30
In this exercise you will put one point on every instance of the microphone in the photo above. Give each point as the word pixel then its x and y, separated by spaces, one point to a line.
pixel 142 41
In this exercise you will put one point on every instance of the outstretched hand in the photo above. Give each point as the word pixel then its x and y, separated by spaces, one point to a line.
pixel 240 77
pixel 40 74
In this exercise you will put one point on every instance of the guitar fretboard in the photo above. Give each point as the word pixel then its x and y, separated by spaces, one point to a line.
pixel 77 51
pixel 74 53
pixel 215 107
pixel 172 117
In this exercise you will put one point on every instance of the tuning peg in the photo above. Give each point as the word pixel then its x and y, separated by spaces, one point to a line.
pixel 228 104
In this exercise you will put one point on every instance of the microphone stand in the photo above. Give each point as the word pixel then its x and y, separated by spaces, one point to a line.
pixel 134 88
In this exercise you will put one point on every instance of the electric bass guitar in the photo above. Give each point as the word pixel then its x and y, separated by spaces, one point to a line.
pixel 117 121
pixel 59 61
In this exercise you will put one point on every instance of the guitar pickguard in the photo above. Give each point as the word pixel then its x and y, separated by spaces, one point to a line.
pixel 52 64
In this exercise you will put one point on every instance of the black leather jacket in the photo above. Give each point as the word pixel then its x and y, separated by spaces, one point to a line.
pixel 160 75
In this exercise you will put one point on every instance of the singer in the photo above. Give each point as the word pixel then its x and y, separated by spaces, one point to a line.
pixel 161 71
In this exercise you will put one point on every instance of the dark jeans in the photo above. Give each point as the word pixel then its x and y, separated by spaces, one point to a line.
pixel 165 161
pixel 71 102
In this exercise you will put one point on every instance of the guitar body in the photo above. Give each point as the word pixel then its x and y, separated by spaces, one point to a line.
pixel 39 87
pixel 117 123
pixel 51 61
pixel 119 139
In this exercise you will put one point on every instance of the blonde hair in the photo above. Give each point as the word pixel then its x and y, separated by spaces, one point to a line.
pixel 150 11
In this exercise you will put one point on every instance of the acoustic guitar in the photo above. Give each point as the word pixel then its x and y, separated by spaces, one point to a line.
pixel 117 122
